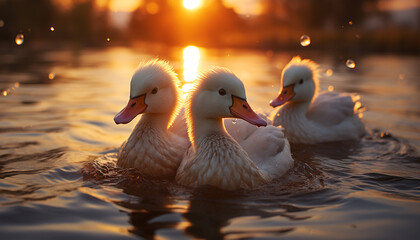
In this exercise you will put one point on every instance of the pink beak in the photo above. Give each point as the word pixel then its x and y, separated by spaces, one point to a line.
pixel 286 94
pixel 134 107
pixel 241 109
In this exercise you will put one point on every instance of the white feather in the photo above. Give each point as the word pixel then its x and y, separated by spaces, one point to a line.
pixel 329 117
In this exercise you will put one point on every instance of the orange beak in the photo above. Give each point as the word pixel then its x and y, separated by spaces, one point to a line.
pixel 241 109
pixel 135 106
pixel 286 94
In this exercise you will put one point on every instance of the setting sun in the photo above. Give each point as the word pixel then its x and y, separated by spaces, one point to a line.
pixel 191 4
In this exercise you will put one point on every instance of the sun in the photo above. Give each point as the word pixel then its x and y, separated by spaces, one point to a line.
pixel 191 4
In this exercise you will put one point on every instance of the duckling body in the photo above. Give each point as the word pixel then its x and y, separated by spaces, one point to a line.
pixel 154 149
pixel 215 158
pixel 331 116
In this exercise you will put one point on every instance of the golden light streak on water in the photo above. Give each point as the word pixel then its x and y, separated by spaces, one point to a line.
pixel 187 87
pixel 191 63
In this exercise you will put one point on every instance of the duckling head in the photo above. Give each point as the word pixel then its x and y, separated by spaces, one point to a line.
pixel 217 94
pixel 154 88
pixel 299 82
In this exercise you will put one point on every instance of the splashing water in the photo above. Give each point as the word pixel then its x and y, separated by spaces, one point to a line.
pixel 305 40
pixel 19 39
pixel 350 63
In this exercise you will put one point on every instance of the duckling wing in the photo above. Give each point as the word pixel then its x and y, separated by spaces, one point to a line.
pixel 267 146
pixel 331 108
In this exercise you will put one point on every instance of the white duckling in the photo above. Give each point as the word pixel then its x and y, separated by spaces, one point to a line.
pixel 151 148
pixel 331 116
pixel 215 158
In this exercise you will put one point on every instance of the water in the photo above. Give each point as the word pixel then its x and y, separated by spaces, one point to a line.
pixel 58 142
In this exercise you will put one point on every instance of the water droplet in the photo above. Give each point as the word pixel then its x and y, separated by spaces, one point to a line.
pixel 330 88
pixel 52 29
pixel 1 23
pixel 329 72
pixel 278 114
pixel 305 40
pixel 350 63
pixel 234 121
pixel 108 39
pixel 19 39
pixel 51 76
pixel 5 93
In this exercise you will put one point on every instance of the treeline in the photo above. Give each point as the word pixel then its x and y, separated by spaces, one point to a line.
pixel 331 24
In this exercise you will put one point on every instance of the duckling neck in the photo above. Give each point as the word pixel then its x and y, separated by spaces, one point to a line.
pixel 158 121
pixel 299 108
pixel 204 127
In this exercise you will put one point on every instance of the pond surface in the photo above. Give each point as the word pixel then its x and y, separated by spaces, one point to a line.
pixel 58 141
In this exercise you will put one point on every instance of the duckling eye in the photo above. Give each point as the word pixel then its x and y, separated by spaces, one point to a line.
pixel 300 81
pixel 154 91
pixel 222 91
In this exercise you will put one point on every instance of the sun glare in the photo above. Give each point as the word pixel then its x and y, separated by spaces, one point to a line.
pixel 191 4
pixel 191 62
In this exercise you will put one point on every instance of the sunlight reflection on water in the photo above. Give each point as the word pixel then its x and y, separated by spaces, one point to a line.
pixel 191 58
pixel 191 63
